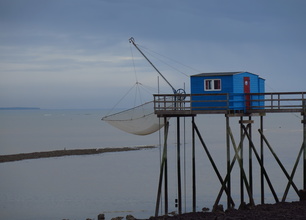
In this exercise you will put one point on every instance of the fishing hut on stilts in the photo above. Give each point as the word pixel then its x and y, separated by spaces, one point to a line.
pixel 236 95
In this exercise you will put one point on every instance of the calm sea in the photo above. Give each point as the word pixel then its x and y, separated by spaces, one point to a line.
pixel 122 183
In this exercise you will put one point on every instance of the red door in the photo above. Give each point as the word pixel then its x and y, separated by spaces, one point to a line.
pixel 246 83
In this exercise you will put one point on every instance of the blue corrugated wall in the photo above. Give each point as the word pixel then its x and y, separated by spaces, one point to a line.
pixel 231 84
pixel 197 87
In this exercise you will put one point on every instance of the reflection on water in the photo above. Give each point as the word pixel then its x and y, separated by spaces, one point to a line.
pixel 118 184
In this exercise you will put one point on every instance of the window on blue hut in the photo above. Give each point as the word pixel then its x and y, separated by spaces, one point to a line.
pixel 212 84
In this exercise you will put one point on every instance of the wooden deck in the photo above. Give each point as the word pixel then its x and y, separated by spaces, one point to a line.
pixel 184 105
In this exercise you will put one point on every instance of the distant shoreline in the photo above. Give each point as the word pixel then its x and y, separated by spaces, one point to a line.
pixel 20 108
pixel 61 153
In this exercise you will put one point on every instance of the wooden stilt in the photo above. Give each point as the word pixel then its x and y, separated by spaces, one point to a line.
pixel 260 163
pixel 293 172
pixel 163 167
pixel 241 157
pixel 214 165
pixel 279 163
pixel 223 187
pixel 247 185
pixel 304 141
pixel 193 168
pixel 166 166
pixel 228 157
pixel 179 185
pixel 250 157
pixel 262 185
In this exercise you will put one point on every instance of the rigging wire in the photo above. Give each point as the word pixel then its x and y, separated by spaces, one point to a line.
pixel 121 99
pixel 137 88
pixel 151 90
pixel 139 94
pixel 135 85
pixel 175 61
pixel 133 61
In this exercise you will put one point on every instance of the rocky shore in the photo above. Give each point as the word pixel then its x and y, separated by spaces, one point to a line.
pixel 278 211
pixel 61 153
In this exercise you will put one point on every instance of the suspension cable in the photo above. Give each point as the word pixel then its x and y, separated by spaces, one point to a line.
pixel 121 99
pixel 133 61
pixel 166 63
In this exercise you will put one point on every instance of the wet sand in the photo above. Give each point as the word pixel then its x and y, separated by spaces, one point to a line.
pixel 61 153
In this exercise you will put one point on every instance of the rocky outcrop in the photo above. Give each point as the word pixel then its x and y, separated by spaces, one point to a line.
pixel 61 153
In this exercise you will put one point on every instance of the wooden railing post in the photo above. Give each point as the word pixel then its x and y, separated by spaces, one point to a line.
pixel 304 140
pixel 220 103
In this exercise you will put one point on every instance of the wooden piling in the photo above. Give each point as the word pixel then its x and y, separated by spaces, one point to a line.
pixel 163 173
pixel 194 203
pixel 304 141
pixel 262 185
pixel 179 184
pixel 228 158
pixel 250 157
pixel 279 163
pixel 260 163
pixel 241 156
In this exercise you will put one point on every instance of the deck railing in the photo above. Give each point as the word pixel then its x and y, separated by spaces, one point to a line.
pixel 222 103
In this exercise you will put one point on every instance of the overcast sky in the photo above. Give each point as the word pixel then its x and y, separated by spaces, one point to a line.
pixel 76 53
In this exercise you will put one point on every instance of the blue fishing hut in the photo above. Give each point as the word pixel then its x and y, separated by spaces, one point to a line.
pixel 226 90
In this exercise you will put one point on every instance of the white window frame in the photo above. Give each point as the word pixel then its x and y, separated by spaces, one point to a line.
pixel 213 84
